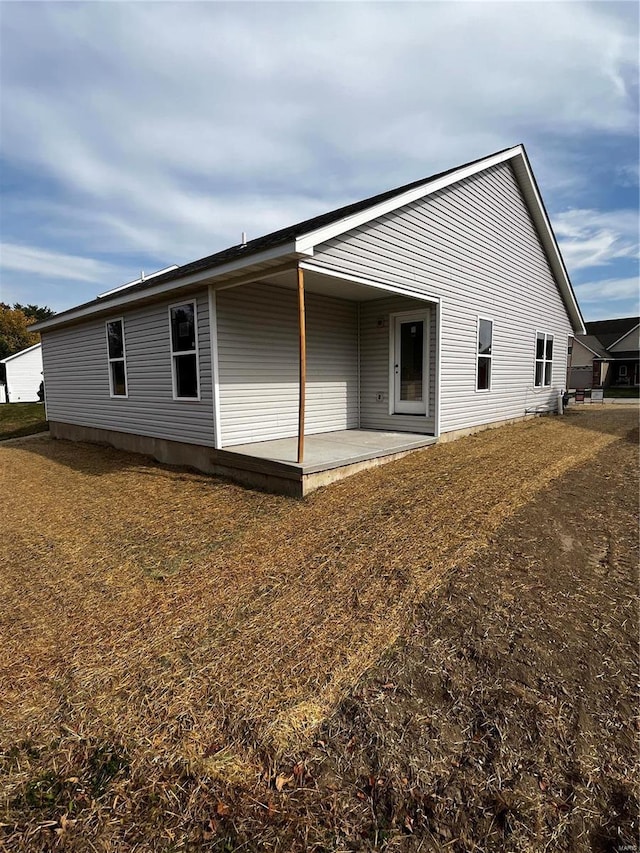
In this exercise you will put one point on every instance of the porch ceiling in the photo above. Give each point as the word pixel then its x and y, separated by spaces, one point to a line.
pixel 328 285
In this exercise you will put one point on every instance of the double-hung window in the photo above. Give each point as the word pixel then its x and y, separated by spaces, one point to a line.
pixel 184 351
pixel 117 358
pixel 544 359
pixel 484 355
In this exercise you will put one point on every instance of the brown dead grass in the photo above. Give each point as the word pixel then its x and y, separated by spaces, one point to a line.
pixel 184 625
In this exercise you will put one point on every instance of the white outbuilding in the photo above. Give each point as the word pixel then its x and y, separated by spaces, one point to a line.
pixel 23 375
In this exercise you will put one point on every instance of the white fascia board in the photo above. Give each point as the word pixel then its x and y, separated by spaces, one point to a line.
pixel 517 154
pixel 626 335
pixel 321 235
pixel 105 306
pixel 22 352
pixel 553 250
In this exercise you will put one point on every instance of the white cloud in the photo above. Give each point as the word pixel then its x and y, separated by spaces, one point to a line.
pixel 628 174
pixel 610 289
pixel 327 95
pixel 607 312
pixel 595 238
pixel 41 262
pixel 167 129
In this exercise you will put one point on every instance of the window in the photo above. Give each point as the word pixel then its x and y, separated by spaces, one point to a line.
pixel 544 359
pixel 117 358
pixel 485 343
pixel 184 351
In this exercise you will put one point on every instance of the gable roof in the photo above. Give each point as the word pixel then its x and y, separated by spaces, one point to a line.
pixel 298 241
pixel 308 226
pixel 609 332
pixel 593 345
pixel 626 335
pixel 22 352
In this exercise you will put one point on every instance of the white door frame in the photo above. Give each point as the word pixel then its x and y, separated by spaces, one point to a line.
pixel 396 406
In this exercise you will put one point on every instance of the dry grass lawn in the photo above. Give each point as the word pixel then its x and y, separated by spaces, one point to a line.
pixel 164 623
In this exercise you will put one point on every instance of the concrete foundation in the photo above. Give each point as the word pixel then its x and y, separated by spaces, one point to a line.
pixel 333 456
pixel 269 465
pixel 461 433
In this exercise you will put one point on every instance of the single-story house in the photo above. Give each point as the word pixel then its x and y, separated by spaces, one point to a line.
pixel 290 360
pixel 22 375
pixel 608 356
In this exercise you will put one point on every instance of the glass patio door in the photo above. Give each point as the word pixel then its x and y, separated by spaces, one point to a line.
pixel 409 366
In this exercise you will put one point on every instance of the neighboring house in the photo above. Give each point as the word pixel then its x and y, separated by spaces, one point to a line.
pixel 608 355
pixel 423 313
pixel 23 375
pixel 586 351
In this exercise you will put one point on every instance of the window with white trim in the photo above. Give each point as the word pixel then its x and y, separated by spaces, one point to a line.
pixel 184 351
pixel 484 356
pixel 544 360
pixel 117 358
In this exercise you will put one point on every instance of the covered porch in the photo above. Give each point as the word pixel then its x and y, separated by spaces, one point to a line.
pixel 335 371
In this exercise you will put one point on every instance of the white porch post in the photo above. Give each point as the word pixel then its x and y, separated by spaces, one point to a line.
pixel 438 412
pixel 303 364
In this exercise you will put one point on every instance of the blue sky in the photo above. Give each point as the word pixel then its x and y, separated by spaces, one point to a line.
pixel 138 135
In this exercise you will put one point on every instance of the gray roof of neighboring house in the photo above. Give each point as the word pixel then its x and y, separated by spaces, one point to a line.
pixel 593 344
pixel 610 331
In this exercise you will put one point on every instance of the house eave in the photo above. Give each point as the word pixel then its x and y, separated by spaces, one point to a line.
pixel 518 158
pixel 303 245
pixel 528 184
pixel 210 275
pixel 347 223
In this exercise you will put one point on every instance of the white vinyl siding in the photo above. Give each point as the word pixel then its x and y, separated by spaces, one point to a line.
pixel 77 378
pixel 473 245
pixel 258 363
pixel 375 364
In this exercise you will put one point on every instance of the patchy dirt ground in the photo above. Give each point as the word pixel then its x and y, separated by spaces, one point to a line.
pixel 506 719
pixel 175 643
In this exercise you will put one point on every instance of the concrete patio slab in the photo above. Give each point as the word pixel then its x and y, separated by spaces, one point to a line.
pixel 328 450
